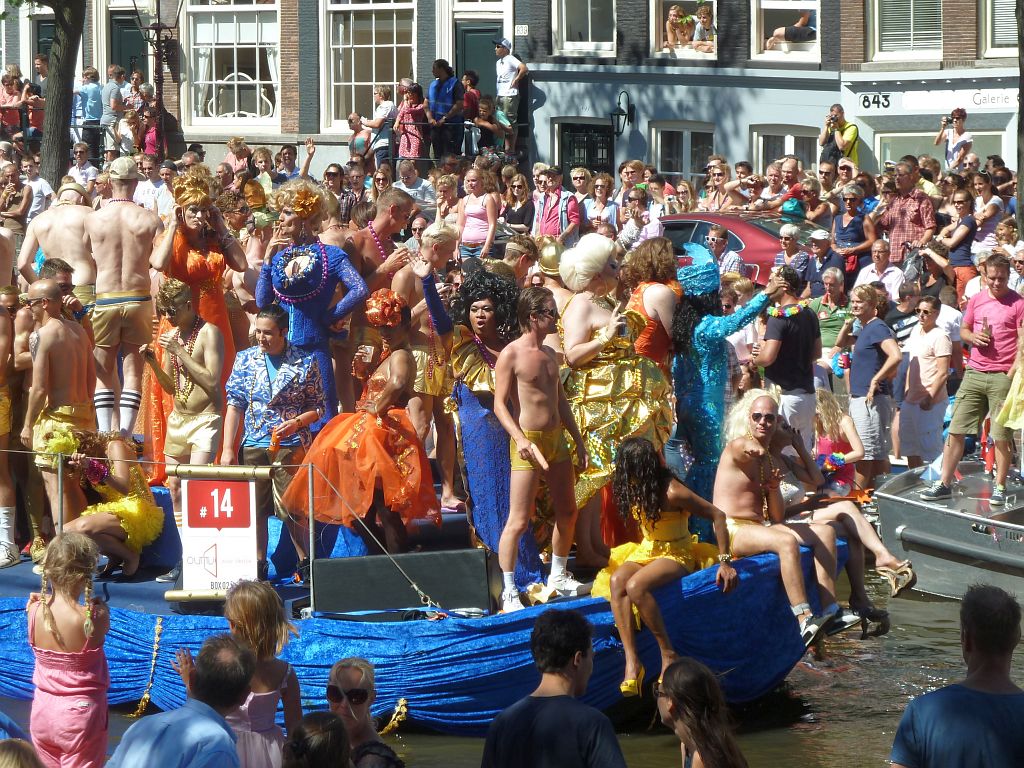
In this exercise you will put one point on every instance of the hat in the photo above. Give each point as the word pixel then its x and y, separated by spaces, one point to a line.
pixel 504 42
pixel 125 169
pixel 550 256
pixel 698 270
pixel 847 162
pixel 197 148
pixel 821 234
pixel 72 186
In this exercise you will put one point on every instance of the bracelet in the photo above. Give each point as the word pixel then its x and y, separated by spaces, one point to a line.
pixel 726 558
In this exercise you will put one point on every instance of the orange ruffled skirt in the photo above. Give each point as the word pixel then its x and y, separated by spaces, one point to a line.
pixel 358 453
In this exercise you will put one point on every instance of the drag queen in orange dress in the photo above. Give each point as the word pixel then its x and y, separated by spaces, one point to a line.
pixel 370 464
pixel 197 248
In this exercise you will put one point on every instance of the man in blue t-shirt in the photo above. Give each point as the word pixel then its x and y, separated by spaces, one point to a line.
pixel 975 723
pixel 91 94
pixel 550 728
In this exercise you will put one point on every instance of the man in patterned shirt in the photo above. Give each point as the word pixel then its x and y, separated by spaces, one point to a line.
pixel 728 261
pixel 909 218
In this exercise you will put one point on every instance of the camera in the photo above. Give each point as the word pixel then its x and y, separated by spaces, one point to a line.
pixel 831 119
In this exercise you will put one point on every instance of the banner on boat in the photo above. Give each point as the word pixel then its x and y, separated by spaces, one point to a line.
pixel 218 535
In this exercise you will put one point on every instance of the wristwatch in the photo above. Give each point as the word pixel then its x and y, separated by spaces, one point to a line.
pixel 726 558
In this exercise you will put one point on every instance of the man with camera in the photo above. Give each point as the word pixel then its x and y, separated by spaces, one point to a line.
pixel 838 139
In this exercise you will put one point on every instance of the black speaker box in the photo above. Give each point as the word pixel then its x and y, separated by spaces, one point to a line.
pixel 454 579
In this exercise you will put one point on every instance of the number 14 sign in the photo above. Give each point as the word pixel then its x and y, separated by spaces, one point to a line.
pixel 218 535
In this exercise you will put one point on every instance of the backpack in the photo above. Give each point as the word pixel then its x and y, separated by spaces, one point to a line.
pixel 830 153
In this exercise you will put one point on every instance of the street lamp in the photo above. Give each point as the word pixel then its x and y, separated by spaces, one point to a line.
pixel 159 33
pixel 622 116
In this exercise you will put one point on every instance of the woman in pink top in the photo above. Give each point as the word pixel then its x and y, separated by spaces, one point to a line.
pixel 477 217
pixel 238 154
pixel 69 709
pixel 151 134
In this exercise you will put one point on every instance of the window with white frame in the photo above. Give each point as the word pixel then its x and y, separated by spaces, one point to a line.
pixel 772 142
pixel 585 26
pixel 678 31
pixel 683 149
pixel 907 26
pixel 233 58
pixel 893 146
pixel 785 30
pixel 1000 28
pixel 369 43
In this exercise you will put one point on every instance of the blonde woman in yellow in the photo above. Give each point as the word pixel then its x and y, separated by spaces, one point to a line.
pixel 128 518
pixel 614 393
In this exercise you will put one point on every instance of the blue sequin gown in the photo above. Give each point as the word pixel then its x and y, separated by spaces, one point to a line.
pixel 308 297
pixel 700 379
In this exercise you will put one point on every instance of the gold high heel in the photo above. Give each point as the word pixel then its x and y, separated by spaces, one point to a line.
pixel 634 686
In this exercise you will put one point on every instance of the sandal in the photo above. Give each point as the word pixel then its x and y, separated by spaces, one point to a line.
pixel 900 578
pixel 634 686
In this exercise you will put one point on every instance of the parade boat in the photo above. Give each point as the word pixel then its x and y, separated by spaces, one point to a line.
pixel 445 672
pixel 958 541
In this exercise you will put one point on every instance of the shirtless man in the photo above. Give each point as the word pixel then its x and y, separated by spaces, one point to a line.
pixel 747 488
pixel 432 385
pixel 9 554
pixel 191 374
pixel 63 377
pixel 60 231
pixel 121 235
pixel 550 251
pixel 526 375
pixel 374 254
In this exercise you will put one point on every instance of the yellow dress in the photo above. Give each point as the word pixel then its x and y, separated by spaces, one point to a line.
pixel 669 538
pixel 1011 415
pixel 616 395
pixel 140 516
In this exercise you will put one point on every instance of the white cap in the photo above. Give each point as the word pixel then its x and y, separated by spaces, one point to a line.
pixel 820 234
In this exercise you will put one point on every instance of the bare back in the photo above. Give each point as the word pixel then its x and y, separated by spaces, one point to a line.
pixel 60 231
pixel 62 364
pixel 535 395
pixel 122 237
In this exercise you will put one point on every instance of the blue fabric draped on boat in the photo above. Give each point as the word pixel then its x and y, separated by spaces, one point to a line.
pixel 457 674
pixel 485 451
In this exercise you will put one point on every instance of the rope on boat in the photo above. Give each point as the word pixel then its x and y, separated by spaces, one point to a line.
pixel 144 701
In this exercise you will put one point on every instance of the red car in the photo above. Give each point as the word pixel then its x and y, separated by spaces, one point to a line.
pixel 754 235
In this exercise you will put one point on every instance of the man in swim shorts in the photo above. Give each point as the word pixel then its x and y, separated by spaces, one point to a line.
pixel 526 374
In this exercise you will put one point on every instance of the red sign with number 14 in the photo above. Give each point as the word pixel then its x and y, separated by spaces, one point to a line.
pixel 217 504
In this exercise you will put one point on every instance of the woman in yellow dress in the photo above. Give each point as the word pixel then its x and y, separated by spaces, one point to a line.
pixel 645 489
pixel 127 518
pixel 614 392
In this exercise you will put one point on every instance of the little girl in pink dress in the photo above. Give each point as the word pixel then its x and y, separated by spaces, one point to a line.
pixel 69 709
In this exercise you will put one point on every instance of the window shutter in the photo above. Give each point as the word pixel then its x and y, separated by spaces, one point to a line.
pixel 910 25
pixel 1004 24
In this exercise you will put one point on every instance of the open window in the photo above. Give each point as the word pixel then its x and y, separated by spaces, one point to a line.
pixel 685 29
pixel 785 30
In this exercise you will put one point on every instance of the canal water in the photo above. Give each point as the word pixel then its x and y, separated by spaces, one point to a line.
pixel 838 713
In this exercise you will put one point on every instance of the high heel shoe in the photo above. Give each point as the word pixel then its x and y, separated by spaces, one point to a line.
pixel 900 578
pixel 634 686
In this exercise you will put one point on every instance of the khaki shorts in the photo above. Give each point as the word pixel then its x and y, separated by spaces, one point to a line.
pixel 78 416
pixel 188 432
pixel 510 106
pixel 979 395
pixel 552 443
pixel 269 492
pixel 124 317
pixel 5 410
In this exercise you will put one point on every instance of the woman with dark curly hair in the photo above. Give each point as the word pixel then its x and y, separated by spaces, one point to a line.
pixel 691 703
pixel 482 321
pixel 645 490
pixel 649 275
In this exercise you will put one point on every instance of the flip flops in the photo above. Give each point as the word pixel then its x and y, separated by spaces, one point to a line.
pixel 900 578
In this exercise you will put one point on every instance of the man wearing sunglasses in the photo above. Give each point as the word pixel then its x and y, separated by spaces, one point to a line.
pixel 729 262
pixel 420 190
pixel 747 486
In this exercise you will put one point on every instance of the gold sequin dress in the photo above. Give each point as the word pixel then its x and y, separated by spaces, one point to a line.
pixel 137 511
pixel 614 396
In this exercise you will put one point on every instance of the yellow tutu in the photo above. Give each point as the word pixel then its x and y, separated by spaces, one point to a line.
pixel 1011 415
pixel 140 516
pixel 693 555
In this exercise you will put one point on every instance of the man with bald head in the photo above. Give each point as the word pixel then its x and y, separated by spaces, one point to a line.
pixel 63 379
pixel 60 231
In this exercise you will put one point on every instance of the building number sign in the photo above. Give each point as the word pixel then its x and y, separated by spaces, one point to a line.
pixel 875 100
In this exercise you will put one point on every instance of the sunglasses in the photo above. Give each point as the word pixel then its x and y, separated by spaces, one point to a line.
pixel 33 302
pixel 579 178
pixel 600 186
pixel 658 690
pixel 418 229
pixel 961 202
pixel 851 199
pixel 172 311
pixel 767 418
pixel 717 175
pixel 518 186
pixel 331 173
pixel 923 312
pixel 552 313
pixel 713 239
pixel 355 696
pixel 727 307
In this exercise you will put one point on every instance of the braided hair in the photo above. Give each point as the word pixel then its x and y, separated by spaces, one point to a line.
pixel 483 284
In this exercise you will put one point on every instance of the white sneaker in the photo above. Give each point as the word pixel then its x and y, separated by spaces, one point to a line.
pixel 566 585
pixel 510 601
pixel 9 555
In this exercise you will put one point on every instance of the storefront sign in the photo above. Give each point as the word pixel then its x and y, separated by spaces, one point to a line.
pixel 982 99
pixel 218 535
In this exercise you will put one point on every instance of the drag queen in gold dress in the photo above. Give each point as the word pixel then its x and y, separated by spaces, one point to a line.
pixel 615 393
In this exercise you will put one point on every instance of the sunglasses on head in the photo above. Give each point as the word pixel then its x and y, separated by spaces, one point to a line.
pixel 355 696
pixel 767 418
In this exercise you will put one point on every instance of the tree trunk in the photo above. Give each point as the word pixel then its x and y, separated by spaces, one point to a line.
pixel 69 17
pixel 1020 116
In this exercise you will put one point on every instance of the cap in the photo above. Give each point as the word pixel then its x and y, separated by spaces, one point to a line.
pixel 72 186
pixel 504 42
pixel 169 164
pixel 821 234
pixel 125 169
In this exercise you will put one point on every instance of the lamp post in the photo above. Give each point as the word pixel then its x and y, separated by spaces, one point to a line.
pixel 623 114
pixel 159 34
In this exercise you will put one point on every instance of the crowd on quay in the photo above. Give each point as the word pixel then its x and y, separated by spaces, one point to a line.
pixel 580 383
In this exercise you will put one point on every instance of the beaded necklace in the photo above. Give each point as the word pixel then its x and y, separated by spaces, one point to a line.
pixel 120 200
pixel 290 255
pixel 183 382
pixel 380 248
pixel 485 353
